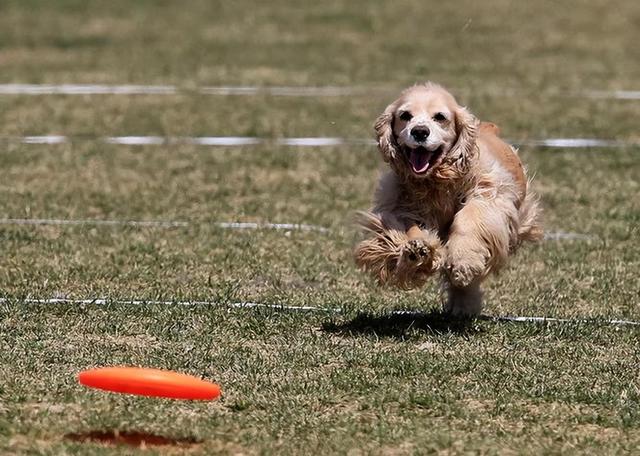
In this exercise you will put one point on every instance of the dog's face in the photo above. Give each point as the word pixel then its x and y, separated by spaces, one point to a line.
pixel 426 133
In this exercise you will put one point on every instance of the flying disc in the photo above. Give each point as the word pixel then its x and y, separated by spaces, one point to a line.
pixel 149 382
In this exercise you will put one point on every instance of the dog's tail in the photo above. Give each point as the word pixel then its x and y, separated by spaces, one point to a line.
pixel 530 215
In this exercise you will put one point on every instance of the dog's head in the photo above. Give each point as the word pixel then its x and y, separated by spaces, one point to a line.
pixel 425 133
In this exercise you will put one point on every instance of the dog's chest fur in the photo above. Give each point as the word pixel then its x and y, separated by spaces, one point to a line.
pixel 431 204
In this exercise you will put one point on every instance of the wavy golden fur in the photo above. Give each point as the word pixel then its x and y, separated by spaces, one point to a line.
pixel 456 200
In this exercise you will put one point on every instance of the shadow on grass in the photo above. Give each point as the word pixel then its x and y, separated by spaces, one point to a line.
pixel 130 438
pixel 399 324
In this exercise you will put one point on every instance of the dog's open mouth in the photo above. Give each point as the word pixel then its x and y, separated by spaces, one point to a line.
pixel 422 159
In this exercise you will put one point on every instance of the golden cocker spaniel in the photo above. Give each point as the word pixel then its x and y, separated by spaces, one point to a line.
pixel 456 200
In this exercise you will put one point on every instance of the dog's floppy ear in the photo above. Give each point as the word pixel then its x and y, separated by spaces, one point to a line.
pixel 384 133
pixel 467 130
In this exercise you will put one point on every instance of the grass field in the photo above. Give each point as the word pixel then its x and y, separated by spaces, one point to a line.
pixel 354 378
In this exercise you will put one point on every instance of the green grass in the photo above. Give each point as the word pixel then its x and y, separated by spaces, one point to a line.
pixel 362 380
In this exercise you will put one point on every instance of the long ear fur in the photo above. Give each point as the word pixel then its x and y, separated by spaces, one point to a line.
pixel 384 132
pixel 467 129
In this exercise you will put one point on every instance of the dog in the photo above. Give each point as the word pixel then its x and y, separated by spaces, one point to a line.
pixel 455 202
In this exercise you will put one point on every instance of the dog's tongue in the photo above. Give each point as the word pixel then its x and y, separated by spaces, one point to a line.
pixel 419 159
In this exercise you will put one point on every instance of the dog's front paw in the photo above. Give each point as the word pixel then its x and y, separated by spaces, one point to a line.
pixel 464 269
pixel 420 254
pixel 416 251
pixel 462 275
pixel 419 258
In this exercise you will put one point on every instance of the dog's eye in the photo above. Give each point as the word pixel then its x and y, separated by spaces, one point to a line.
pixel 406 116
pixel 439 117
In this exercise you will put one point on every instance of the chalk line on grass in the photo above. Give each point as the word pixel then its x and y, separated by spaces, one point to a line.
pixel 277 91
pixel 49 139
pixel 95 222
pixel 317 141
pixel 559 320
pixel 564 235
pixel 275 226
pixel 213 141
pixel 196 140
pixel 286 91
pixel 167 224
pixel 312 142
pixel 571 143
pixel 86 89
pixel 142 302
pixel 283 307
pixel 615 94
pixel 549 236
pixel 136 140
pixel 224 140
pixel 140 89
pixel 527 319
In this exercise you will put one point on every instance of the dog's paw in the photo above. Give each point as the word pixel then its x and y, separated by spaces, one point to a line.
pixel 462 275
pixel 420 255
pixel 463 271
pixel 466 261
pixel 416 250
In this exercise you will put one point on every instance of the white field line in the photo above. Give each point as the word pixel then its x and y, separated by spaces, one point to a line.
pixel 135 140
pixel 166 224
pixel 132 89
pixel 563 235
pixel 287 91
pixel 139 302
pixel 560 320
pixel 311 142
pixel 95 222
pixel 51 139
pixel 560 143
pixel 518 319
pixel 275 226
pixel 194 140
pixel 613 94
pixel 162 140
pixel 284 91
pixel 569 143
pixel 550 236
pixel 223 140
pixel 283 307
pixel 85 89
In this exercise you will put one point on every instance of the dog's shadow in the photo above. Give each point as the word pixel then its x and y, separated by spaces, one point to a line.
pixel 399 324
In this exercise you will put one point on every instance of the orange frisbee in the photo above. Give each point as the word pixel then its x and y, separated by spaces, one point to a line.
pixel 149 382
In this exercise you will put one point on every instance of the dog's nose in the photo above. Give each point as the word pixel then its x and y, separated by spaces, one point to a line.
pixel 420 133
